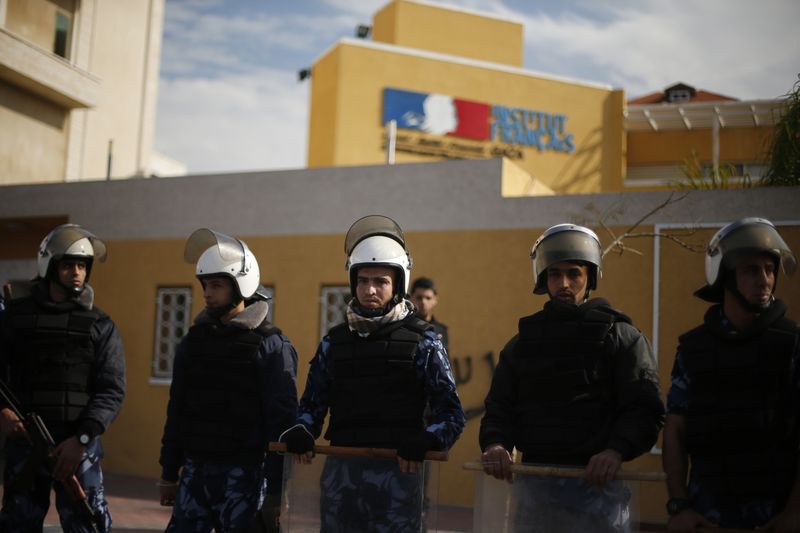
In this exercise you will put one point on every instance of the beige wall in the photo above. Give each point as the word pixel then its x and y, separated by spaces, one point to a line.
pixel 114 45
pixel 35 20
pixel 121 58
pixel 32 137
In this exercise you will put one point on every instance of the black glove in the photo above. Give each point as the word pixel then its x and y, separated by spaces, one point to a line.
pixel 298 440
pixel 413 448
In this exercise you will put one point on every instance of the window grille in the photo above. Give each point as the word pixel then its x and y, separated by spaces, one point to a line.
pixel 333 306
pixel 173 307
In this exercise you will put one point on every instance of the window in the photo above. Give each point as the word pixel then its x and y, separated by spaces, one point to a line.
pixel 333 306
pixel 61 39
pixel 679 95
pixel 173 307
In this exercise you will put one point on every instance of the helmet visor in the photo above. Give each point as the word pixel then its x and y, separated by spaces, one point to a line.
pixel 230 249
pixel 753 238
pixel 67 235
pixel 565 246
pixel 370 226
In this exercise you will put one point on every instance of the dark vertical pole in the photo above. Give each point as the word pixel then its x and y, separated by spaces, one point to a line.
pixel 109 158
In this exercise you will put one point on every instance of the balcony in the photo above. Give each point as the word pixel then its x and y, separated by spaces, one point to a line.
pixel 45 74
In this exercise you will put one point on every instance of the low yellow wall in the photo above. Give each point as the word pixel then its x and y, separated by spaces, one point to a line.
pixel 484 280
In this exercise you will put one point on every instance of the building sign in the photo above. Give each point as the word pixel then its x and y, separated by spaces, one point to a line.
pixel 443 115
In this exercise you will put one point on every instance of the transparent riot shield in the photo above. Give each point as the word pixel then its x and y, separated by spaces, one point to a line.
pixel 551 499
pixel 357 489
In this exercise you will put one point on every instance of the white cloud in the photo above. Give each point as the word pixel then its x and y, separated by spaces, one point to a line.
pixel 242 122
pixel 744 49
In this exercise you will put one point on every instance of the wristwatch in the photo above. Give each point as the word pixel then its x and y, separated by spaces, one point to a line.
pixel 84 439
pixel 676 505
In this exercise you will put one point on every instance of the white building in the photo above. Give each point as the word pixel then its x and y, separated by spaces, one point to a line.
pixel 78 89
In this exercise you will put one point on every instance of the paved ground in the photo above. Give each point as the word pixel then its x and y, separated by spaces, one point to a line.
pixel 135 509
pixel 133 502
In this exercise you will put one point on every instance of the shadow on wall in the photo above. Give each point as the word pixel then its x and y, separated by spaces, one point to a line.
pixel 582 164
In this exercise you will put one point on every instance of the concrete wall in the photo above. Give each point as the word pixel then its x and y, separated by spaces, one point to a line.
pixel 104 91
pixel 126 55
pixel 35 20
pixel 33 137
pixel 460 231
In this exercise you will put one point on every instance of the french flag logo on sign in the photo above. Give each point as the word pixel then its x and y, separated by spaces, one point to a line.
pixel 438 114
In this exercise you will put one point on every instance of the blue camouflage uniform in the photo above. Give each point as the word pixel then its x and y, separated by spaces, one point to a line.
pixel 26 502
pixel 374 495
pixel 223 485
pixel 727 510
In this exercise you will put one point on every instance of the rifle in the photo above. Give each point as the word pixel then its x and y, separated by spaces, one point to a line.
pixel 43 446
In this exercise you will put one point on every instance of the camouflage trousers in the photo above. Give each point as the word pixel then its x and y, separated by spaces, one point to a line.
pixel 734 511
pixel 369 495
pixel 224 498
pixel 24 508
pixel 554 505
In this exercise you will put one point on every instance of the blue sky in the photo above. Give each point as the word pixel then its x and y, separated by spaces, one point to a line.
pixel 229 99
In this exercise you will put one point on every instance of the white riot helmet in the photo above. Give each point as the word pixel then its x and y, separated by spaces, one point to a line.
pixel 217 254
pixel 68 241
pixel 734 241
pixel 566 242
pixel 376 240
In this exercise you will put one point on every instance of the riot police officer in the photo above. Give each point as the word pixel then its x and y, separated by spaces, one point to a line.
pixel 64 361
pixel 376 373
pixel 233 390
pixel 735 397
pixel 577 385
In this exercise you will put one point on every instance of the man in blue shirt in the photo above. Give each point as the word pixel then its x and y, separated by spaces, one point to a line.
pixel 376 373
pixel 734 402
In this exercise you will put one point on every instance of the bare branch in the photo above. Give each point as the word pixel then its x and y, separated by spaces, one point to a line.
pixel 616 243
pixel 671 237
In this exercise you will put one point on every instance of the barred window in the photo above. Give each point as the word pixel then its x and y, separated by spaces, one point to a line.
pixel 173 307
pixel 333 306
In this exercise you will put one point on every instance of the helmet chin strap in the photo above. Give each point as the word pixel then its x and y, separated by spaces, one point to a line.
pixel 753 308
pixel 730 284
pixel 222 310
pixel 71 290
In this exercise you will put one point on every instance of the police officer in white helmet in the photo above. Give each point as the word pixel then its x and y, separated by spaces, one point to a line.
pixel 578 385
pixel 63 359
pixel 233 390
pixel 733 410
pixel 376 373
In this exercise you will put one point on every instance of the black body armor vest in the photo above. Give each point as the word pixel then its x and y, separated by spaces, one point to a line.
pixel 565 366
pixel 51 361
pixel 741 424
pixel 222 397
pixel 376 397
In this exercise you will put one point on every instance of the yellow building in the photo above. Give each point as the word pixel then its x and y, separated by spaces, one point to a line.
pixel 78 86
pixel 461 232
pixel 453 82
